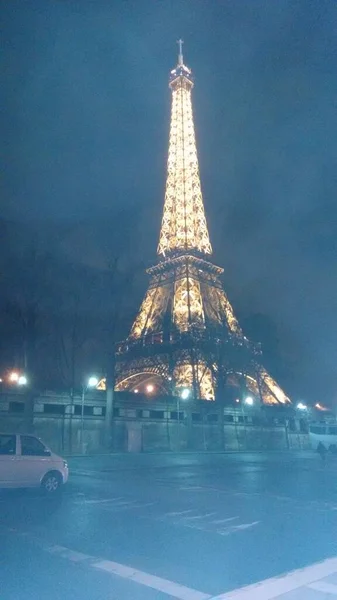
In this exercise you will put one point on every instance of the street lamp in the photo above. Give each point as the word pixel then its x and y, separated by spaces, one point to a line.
pixel 150 388
pixel 249 401
pixel 13 377
pixel 184 395
pixel 91 383
pixel 301 406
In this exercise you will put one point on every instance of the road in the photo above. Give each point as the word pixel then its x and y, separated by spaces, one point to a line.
pixel 157 527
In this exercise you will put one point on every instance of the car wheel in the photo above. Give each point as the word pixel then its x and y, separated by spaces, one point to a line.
pixel 51 483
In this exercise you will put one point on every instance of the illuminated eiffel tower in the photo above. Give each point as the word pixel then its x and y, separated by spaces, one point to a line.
pixel 186 334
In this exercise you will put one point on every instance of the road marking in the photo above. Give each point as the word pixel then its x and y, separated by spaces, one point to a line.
pixel 102 501
pixel 166 586
pixel 69 554
pixel 120 503
pixel 120 506
pixel 180 592
pixel 205 516
pixel 323 586
pixel 177 514
pixel 244 526
pixel 297 504
pixel 195 521
pixel 171 588
pixel 219 521
pixel 276 586
pixel 235 528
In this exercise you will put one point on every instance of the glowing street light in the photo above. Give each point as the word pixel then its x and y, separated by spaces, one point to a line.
pixel 249 401
pixel 301 406
pixel 150 388
pixel 13 377
pixel 185 393
pixel 92 382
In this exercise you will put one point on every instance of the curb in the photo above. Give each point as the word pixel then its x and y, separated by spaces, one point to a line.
pixel 192 453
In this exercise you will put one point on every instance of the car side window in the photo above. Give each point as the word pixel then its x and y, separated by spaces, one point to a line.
pixel 31 446
pixel 7 444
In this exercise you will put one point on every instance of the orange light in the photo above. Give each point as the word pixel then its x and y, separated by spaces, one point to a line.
pixel 13 377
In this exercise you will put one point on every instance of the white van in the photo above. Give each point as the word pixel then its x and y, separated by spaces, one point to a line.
pixel 25 461
pixel 324 434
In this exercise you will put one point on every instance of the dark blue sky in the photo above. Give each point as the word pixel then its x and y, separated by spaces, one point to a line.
pixel 86 131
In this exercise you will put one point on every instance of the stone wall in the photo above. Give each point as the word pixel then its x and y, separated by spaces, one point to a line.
pixel 148 425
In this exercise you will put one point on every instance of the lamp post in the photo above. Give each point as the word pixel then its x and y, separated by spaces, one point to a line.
pixel 248 401
pixel 17 378
pixel 91 383
pixel 184 395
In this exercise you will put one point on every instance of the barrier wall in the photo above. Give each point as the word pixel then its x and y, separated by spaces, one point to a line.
pixel 144 425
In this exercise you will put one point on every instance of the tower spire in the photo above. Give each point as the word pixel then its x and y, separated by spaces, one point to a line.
pixel 180 56
pixel 184 226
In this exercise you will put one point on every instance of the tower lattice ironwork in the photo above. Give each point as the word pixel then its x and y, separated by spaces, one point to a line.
pixel 186 333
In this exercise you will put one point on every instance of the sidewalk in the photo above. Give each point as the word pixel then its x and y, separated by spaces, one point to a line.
pixel 316 582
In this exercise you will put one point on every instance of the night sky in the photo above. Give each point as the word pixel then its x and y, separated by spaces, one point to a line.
pixel 85 136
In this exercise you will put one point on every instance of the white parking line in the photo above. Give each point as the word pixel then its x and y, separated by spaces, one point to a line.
pixel 205 516
pixel 276 586
pixel 244 526
pixel 177 514
pixel 220 521
pixel 324 586
pixel 102 501
pixel 171 588
pixel 121 506
pixel 72 555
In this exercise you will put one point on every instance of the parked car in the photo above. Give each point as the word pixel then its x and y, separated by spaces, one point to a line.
pixel 25 462
pixel 323 436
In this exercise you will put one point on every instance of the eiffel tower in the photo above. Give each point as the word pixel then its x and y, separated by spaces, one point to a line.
pixel 186 334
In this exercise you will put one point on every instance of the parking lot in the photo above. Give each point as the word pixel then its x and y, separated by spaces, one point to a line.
pixel 171 526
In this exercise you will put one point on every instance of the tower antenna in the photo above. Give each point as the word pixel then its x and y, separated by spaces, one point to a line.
pixel 180 56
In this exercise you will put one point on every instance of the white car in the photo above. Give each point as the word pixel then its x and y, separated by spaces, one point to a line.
pixel 25 461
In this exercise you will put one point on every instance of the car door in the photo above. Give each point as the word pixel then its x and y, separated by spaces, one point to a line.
pixel 8 464
pixel 33 458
